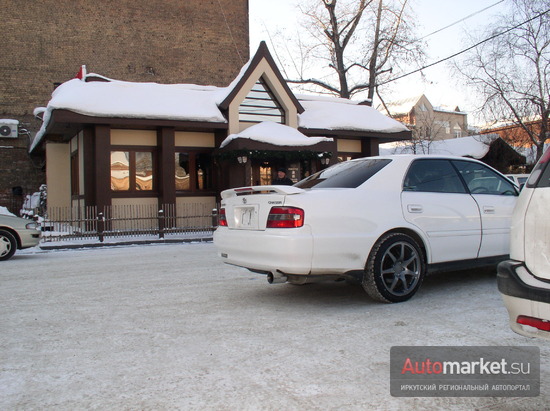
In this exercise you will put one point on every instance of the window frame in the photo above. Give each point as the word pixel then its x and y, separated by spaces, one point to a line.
pixel 485 167
pixel 132 190
pixel 428 160
pixel 193 153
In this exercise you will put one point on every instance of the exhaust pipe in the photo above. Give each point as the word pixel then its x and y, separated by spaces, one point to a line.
pixel 276 277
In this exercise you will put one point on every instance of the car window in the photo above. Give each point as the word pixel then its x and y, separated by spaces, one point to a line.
pixel 480 179
pixel 349 174
pixel 434 176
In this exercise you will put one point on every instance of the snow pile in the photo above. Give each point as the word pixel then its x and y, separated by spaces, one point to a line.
pixel 5 211
pixel 341 114
pixel 275 133
pixel 472 146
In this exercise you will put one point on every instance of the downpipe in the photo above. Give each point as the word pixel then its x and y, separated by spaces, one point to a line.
pixel 276 277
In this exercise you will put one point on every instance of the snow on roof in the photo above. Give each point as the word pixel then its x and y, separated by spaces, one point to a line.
pixel 190 102
pixel 138 100
pixel 472 146
pixel 341 114
pixel 276 134
pixel 450 110
pixel 403 106
pixel 113 98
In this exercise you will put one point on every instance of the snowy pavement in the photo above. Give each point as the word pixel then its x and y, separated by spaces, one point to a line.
pixel 170 327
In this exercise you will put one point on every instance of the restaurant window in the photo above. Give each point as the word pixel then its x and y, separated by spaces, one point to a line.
pixel 193 171
pixel 261 105
pixel 132 171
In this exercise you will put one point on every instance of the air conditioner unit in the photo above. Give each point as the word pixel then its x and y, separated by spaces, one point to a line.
pixel 8 128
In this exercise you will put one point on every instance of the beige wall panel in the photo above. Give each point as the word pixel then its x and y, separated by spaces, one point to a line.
pixel 194 139
pixel 57 170
pixel 209 202
pixel 348 146
pixel 133 137
pixel 134 201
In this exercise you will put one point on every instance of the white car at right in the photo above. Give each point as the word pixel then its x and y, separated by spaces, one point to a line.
pixel 524 280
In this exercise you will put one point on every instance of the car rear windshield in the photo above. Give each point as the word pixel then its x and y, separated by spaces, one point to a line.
pixel 349 174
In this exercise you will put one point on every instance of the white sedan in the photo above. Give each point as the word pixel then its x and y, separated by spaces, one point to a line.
pixel 385 221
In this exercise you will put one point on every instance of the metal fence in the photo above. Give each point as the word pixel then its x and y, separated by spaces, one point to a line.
pixel 81 223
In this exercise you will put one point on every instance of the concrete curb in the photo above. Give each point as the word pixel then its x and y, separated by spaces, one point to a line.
pixel 68 246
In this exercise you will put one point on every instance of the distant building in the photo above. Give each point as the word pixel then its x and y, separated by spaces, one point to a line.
pixel 426 121
pixel 518 135
pixel 45 42
pixel 491 149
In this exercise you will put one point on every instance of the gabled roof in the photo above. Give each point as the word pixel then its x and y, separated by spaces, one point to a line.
pixel 261 54
pixel 404 106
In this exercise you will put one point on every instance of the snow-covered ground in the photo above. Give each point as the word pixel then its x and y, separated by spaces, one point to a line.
pixel 171 327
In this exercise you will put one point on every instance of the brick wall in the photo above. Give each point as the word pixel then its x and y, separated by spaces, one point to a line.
pixel 164 41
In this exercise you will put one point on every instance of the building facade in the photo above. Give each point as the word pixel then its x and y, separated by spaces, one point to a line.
pixel 46 42
pixel 116 143
pixel 428 122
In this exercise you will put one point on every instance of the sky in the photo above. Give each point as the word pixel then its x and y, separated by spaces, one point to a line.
pixel 437 83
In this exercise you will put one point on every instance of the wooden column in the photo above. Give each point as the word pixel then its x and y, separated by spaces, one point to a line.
pixel 89 167
pixel 369 147
pixel 102 174
pixel 166 168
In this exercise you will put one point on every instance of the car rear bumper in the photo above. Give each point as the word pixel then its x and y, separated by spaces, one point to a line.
pixel 288 251
pixel 523 295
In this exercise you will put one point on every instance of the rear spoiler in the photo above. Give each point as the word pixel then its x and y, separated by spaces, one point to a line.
pixel 241 191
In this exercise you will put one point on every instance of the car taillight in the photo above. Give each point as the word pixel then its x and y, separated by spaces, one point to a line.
pixel 285 217
pixel 534 322
pixel 222 220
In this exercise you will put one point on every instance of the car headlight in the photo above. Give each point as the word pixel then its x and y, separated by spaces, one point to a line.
pixel 31 226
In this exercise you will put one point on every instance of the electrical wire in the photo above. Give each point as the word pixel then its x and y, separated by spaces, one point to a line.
pixel 466 49
pixel 460 21
pixel 231 33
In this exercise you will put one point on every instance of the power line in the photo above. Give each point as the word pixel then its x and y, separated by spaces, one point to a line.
pixel 466 49
pixel 461 20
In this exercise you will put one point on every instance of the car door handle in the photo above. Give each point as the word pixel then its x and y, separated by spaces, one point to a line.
pixel 488 210
pixel 414 208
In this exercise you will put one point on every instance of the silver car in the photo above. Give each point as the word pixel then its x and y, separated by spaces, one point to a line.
pixel 17 233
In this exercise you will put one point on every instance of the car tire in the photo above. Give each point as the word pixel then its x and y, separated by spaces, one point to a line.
pixel 395 268
pixel 8 245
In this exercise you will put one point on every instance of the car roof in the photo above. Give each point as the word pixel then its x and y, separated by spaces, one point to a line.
pixel 411 157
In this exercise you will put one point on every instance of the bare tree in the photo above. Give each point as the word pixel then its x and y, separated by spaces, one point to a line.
pixel 511 72
pixel 358 42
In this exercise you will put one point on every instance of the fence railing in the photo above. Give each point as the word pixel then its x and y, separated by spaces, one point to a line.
pixel 81 223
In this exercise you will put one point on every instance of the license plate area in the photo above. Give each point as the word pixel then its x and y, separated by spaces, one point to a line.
pixel 246 217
